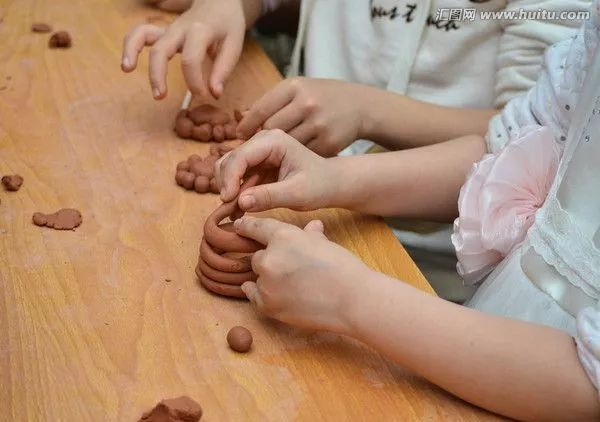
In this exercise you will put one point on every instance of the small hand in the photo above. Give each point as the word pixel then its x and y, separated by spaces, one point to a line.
pixel 213 28
pixel 304 180
pixel 324 114
pixel 303 278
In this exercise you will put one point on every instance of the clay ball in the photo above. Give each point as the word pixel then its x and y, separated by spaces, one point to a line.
pixel 202 168
pixel 202 132
pixel 218 133
pixel 201 184
pixel 60 39
pixel 184 127
pixel 12 182
pixel 239 339
pixel 183 165
pixel 214 187
pixel 185 179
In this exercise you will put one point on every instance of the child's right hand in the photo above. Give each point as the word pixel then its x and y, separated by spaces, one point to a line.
pixel 304 182
pixel 209 27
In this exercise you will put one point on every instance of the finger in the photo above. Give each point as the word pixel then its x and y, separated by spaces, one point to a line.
pixel 303 133
pixel 251 291
pixel 193 54
pixel 263 147
pixel 285 119
pixel 135 40
pixel 265 107
pixel 315 226
pixel 257 261
pixel 160 54
pixel 227 58
pixel 260 229
pixel 268 196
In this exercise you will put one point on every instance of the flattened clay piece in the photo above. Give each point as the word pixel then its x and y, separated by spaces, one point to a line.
pixel 208 113
pixel 202 132
pixel 179 409
pixel 60 39
pixel 41 27
pixel 12 182
pixel 239 339
pixel 218 133
pixel 184 127
pixel 63 219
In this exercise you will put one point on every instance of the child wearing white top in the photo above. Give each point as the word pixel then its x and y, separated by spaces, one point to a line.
pixel 528 230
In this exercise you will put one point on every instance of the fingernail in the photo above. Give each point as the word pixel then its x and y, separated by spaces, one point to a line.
pixel 237 223
pixel 125 62
pixel 247 201
pixel 155 92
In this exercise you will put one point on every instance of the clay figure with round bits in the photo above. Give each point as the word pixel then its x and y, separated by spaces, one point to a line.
pixel 239 339
pixel 179 409
pixel 205 123
pixel 12 182
pixel 63 219
pixel 197 173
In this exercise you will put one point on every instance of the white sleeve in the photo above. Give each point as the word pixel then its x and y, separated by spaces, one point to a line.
pixel 588 342
pixel 523 42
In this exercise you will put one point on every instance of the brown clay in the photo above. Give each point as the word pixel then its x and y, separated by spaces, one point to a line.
pixel 224 261
pixel 214 187
pixel 238 115
pixel 239 339
pixel 179 409
pixel 207 113
pixel 184 126
pixel 60 39
pixel 218 133
pixel 12 182
pixel 202 132
pixel 224 147
pixel 41 27
pixel 230 130
pixel 183 165
pixel 201 184
pixel 63 219
pixel 196 173
pixel 202 168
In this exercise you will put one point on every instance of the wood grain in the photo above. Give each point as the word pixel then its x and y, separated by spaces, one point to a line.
pixel 100 323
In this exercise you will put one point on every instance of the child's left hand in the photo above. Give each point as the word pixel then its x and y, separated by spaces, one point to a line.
pixel 326 115
pixel 303 278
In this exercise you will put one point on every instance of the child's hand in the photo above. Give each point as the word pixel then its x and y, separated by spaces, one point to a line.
pixel 303 278
pixel 171 5
pixel 305 181
pixel 324 114
pixel 209 27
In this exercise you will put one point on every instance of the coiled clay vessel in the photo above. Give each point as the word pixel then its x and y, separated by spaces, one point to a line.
pixel 225 257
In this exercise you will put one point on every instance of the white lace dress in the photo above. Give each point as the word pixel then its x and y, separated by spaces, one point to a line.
pixel 552 277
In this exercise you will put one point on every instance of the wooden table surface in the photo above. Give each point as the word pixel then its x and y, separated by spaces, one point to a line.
pixel 90 328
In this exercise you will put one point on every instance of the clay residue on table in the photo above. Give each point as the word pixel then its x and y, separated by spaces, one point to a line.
pixel 12 182
pixel 179 409
pixel 63 219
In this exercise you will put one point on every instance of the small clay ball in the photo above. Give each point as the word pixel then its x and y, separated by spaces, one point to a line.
pixel 194 157
pixel 230 130
pixel 202 168
pixel 185 179
pixel 60 39
pixel 39 219
pixel 183 166
pixel 40 27
pixel 202 133
pixel 239 339
pixel 12 182
pixel 218 133
pixel 214 187
pixel 184 127
pixel 201 184
pixel 211 159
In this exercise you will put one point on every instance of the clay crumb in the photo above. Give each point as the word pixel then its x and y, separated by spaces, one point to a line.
pixel 239 339
pixel 60 39
pixel 63 219
pixel 12 182
pixel 180 409
pixel 168 280
pixel 41 27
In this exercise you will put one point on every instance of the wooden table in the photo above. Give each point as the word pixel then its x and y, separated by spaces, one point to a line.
pixel 101 322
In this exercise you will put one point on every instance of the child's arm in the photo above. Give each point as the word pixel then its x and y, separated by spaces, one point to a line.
pixel 421 183
pixel 514 368
pixel 328 115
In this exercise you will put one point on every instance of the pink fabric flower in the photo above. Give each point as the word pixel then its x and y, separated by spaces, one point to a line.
pixel 498 202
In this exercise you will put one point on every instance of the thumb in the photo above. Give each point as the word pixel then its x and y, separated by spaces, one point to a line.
pixel 250 289
pixel 269 196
